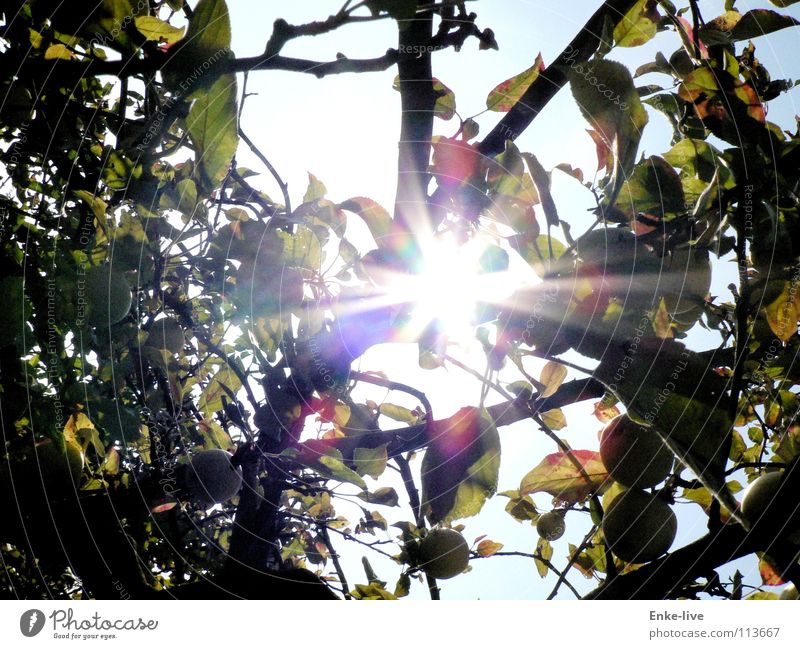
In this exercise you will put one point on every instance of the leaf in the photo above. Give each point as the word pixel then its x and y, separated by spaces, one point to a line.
pixel 371 591
pixel 559 477
pixel 445 106
pixel 155 29
pixel 638 25
pixel 545 551
pixel 371 461
pixel 58 51
pixel 376 217
pixel 666 386
pixel 384 496
pixel 334 467
pixel 541 179
pixel 759 22
pixel 552 376
pixel 461 465
pixel 782 313
pixel 197 61
pixel 487 548
pixel 521 508
pixel 316 189
pixel 554 419
pixel 214 435
pixel 213 127
pixel 506 94
pixel 604 411
pixel 608 100
pixel 770 573
pixel 537 251
pixel 224 382
pixel 398 413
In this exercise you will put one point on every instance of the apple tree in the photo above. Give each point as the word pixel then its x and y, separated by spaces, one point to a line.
pixel 187 411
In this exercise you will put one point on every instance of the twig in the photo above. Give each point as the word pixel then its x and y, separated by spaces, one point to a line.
pixel 416 508
pixel 326 539
pixel 530 555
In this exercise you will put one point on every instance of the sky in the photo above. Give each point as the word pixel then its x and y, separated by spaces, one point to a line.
pixel 344 129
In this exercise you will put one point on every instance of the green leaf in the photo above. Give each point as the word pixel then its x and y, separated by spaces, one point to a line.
pixel 213 127
pixel 671 389
pixel 506 94
pixel 541 179
pixel 537 251
pixel 760 22
pixel 200 56
pixel 333 466
pixel 638 25
pixel 461 466
pixel 316 189
pixel 398 413
pixel 371 461
pixel 155 29
pixel 302 249
pixel 376 217
pixel 608 100
pixel 224 382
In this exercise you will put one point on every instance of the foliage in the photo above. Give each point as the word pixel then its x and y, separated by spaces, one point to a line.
pixel 120 134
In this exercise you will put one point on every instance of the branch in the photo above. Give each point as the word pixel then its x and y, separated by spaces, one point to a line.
pixel 416 128
pixel 412 438
pixel 552 79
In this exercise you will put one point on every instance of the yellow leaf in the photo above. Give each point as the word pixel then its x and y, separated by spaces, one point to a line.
pixel 554 419
pixel 487 548
pixel 552 376
pixel 782 314
pixel 58 51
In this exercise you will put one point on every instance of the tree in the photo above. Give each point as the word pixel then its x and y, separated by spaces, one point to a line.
pixel 162 309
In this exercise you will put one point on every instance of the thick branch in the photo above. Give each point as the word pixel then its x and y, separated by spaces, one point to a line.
pixel 552 79
pixel 412 438
pixel 417 101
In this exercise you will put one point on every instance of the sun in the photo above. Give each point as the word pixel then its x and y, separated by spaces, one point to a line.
pixel 451 284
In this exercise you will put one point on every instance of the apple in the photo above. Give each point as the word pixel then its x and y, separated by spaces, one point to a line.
pixel 108 295
pixel 443 553
pixel 210 477
pixel 551 526
pixel 634 455
pixel 638 526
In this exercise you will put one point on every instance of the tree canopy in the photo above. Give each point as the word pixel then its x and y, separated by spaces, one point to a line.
pixel 186 410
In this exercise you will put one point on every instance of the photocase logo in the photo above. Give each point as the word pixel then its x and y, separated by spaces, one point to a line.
pixel 31 622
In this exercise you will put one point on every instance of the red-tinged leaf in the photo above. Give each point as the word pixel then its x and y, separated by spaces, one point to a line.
pixel 749 96
pixel 687 36
pixel 640 227
pixel 605 413
pixel 605 159
pixel 445 107
pixel 508 93
pixel 461 465
pixel 568 169
pixel 487 548
pixel 454 160
pixel 770 574
pixel 559 477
